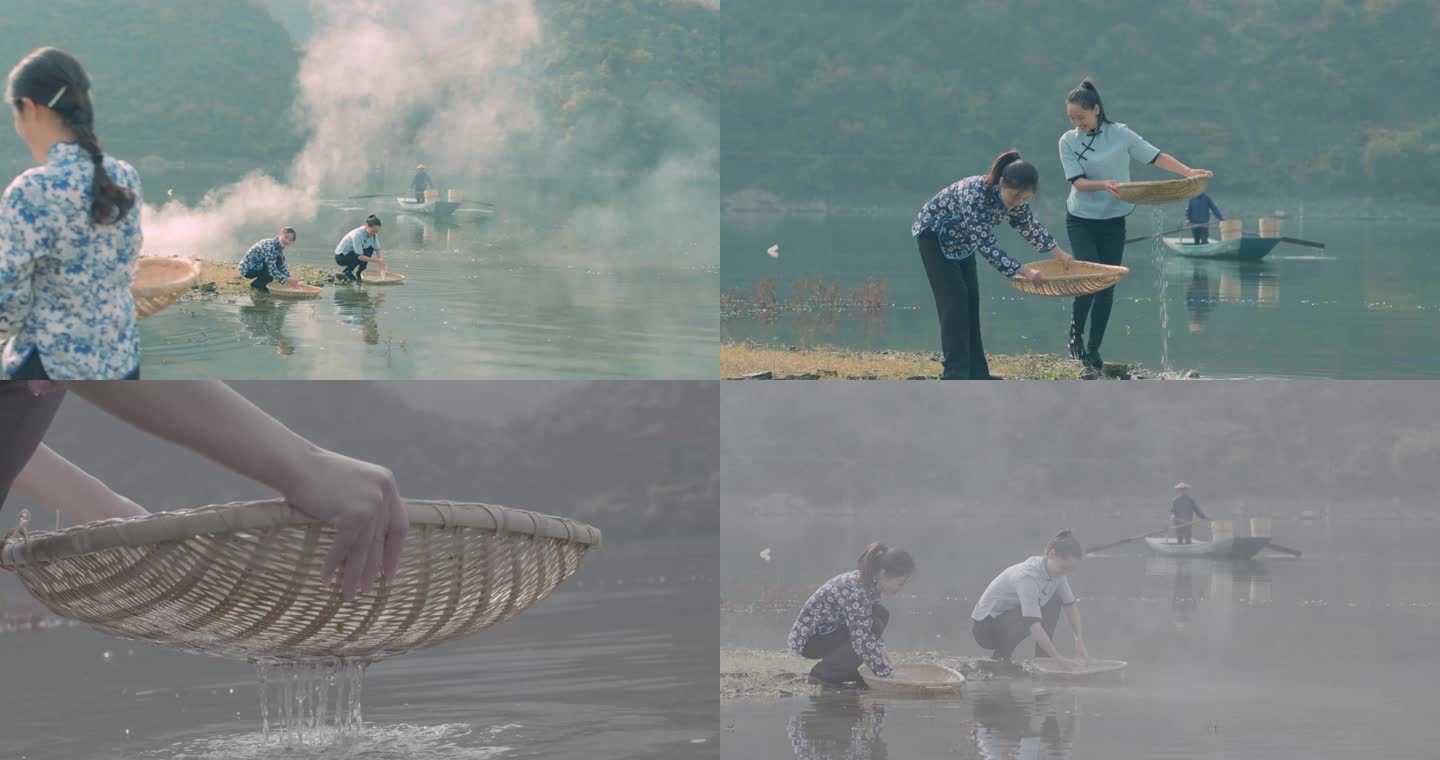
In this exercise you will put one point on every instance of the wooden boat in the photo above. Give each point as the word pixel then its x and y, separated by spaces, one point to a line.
pixel 921 680
pixel 438 209
pixel 1239 249
pixel 1225 548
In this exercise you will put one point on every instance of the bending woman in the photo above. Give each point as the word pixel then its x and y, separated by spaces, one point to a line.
pixel 1096 155
pixel 1025 600
pixel 69 232
pixel 842 623
pixel 958 223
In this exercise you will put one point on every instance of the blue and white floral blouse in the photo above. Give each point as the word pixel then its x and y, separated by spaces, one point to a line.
pixel 843 600
pixel 266 256
pixel 963 215
pixel 65 280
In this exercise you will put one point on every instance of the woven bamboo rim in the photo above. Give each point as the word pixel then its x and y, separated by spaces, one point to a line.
pixel 293 289
pixel 159 282
pixel 922 678
pixel 1048 668
pixel 1080 278
pixel 1163 191
pixel 378 278
pixel 243 579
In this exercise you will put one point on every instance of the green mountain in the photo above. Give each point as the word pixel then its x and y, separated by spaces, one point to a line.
pixel 1323 98
pixel 181 80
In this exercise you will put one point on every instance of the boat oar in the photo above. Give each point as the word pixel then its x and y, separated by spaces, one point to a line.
pixel 1151 534
pixel 1283 549
pixel 1296 241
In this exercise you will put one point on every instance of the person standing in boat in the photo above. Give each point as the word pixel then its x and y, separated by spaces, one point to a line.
pixel 1025 600
pixel 359 248
pixel 421 183
pixel 1096 156
pixel 958 223
pixel 69 235
pixel 1183 513
pixel 843 622
pixel 264 263
pixel 1197 215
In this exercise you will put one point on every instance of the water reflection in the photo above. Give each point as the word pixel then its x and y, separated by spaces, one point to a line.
pixel 1008 728
pixel 264 318
pixel 361 306
pixel 1212 283
pixel 1231 581
pixel 839 725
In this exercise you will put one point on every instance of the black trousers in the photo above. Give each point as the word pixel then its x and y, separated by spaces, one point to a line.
pixel 1101 241
pixel 1182 534
pixel 1201 234
pixel 839 661
pixel 352 263
pixel 261 280
pixel 34 369
pixel 419 196
pixel 957 299
pixel 24 418
pixel 1002 633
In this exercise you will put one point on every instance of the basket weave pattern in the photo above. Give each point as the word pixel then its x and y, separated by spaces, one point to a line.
pixel 1079 279
pixel 243 580
pixel 1164 191
pixel 159 282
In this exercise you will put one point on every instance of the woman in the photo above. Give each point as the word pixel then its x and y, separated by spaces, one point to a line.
pixel 264 263
pixel 956 224
pixel 69 232
pixel 842 623
pixel 1025 600
pixel 1096 155
pixel 358 498
pixel 359 247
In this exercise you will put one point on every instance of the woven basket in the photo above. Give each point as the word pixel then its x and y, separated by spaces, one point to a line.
pixel 916 680
pixel 1165 191
pixel 1044 667
pixel 382 278
pixel 159 282
pixel 243 580
pixel 1080 278
pixel 293 289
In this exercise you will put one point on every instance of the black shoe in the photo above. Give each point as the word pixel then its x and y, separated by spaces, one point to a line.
pixel 832 681
pixel 1093 362
pixel 1006 667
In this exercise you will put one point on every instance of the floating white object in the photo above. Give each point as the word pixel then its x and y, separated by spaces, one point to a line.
pixel 774 251
pixel 765 554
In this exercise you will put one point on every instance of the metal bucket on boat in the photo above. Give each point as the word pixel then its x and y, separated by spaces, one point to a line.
pixel 432 195
pixel 1260 527
pixel 455 196
pixel 1269 227
pixel 1229 229
pixel 1222 530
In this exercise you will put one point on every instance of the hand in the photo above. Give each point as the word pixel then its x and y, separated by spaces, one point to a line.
pixel 1200 173
pixel 363 503
pixel 1062 257
pixel 1032 274
pixel 1113 188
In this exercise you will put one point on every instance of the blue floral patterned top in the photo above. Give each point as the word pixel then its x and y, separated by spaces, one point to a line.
pixel 963 215
pixel 64 280
pixel 843 600
pixel 266 256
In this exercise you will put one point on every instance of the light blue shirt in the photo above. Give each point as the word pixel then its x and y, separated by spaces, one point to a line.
pixel 65 280
pixel 1028 585
pixel 1102 156
pixel 357 241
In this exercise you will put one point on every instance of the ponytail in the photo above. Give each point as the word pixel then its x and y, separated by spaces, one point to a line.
pixel 1065 544
pixel 1086 96
pixel 1013 172
pixel 879 557
pixel 53 77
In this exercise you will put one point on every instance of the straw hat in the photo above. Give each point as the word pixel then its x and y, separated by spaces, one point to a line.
pixel 420 167
pixel 1182 485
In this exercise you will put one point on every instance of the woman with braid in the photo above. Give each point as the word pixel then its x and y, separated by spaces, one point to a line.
pixel 69 232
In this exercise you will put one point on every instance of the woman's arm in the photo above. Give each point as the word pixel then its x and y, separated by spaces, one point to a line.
pixel 1171 164
pixel 58 485
pixel 1072 613
pixel 1037 630
pixel 359 498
